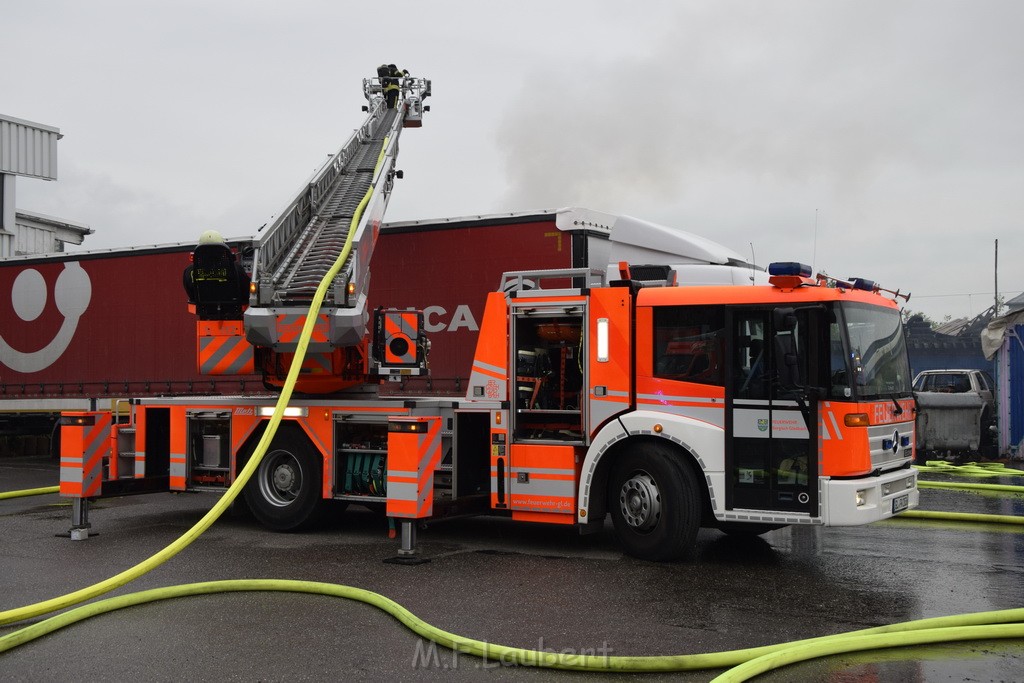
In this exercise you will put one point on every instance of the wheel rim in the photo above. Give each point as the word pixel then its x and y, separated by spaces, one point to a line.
pixel 640 502
pixel 280 478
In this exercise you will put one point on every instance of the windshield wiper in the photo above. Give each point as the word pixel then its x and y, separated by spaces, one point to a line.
pixel 899 408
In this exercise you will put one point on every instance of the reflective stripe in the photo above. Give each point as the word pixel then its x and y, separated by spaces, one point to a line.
pixel 289 328
pixel 712 414
pixel 541 470
pixel 400 325
pixel 537 486
pixel 229 355
pixel 487 367
pixel 661 398
pixel 402 490
pixel 835 425
pixel 177 472
pixel 321 363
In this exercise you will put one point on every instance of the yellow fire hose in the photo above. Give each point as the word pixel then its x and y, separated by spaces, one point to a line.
pixel 748 662
pixel 965 486
pixel 8 495
pixel 976 626
pixel 971 469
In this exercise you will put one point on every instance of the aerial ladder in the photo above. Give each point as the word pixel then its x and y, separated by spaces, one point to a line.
pixel 344 201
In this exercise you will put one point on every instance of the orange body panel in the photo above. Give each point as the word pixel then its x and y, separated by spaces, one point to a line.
pixel 319 427
pixel 322 372
pixel 543 517
pixel 849 454
pixel 543 479
pixel 114 464
pixel 179 448
pixel 490 362
pixel 654 386
pixel 397 326
pixel 731 294
pixel 83 448
pixel 140 444
pixel 412 458
pixel 704 402
pixel 644 343
pixel 222 349
pixel 614 375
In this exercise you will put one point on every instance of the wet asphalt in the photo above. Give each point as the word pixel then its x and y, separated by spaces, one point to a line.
pixel 530 586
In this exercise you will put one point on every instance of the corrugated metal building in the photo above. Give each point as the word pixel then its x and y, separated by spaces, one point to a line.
pixel 1003 341
pixel 930 349
pixel 30 149
pixel 36 233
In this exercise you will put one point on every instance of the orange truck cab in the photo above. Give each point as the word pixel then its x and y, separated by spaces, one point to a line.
pixel 742 408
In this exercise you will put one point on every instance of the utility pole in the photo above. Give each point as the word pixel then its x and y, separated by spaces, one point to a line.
pixel 995 305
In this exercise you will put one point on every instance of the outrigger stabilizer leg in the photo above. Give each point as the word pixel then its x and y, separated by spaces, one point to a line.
pixel 80 526
pixel 407 550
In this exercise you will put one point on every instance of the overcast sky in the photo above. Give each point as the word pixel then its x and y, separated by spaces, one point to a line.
pixel 895 127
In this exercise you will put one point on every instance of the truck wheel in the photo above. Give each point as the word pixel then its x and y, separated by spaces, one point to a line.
pixel 284 492
pixel 655 503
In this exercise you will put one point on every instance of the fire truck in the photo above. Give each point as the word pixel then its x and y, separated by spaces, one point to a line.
pixel 594 391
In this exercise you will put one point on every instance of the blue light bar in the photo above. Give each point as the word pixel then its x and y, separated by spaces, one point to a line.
pixel 789 268
pixel 861 283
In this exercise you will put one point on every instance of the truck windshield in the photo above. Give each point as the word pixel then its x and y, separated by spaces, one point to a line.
pixel 876 351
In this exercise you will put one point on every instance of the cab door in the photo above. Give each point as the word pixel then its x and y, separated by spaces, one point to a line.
pixel 771 452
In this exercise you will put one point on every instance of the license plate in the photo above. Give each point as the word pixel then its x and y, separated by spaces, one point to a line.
pixel 900 503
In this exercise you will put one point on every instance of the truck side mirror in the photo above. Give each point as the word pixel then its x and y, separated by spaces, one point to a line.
pixel 787 358
pixel 783 320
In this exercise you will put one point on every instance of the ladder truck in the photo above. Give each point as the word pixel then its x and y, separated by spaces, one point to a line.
pixel 667 408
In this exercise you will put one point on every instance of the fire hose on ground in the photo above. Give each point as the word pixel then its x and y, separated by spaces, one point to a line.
pixel 746 663
pixel 8 495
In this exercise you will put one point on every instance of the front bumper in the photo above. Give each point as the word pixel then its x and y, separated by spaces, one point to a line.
pixel 852 502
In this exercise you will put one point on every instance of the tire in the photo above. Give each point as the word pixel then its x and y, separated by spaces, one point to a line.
pixel 744 529
pixel 655 502
pixel 284 492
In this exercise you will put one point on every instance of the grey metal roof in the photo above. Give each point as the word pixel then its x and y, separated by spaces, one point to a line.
pixel 1015 304
pixel 27 148
pixel 54 223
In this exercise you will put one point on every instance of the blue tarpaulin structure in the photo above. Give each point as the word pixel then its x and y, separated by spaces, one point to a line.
pixel 1003 342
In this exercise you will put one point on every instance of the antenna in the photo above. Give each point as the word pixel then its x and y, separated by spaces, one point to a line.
pixel 814 254
pixel 995 271
pixel 753 265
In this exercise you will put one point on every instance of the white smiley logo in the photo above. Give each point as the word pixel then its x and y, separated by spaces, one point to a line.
pixel 72 294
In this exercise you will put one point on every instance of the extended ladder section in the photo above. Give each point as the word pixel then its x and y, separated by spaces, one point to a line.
pixel 345 199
